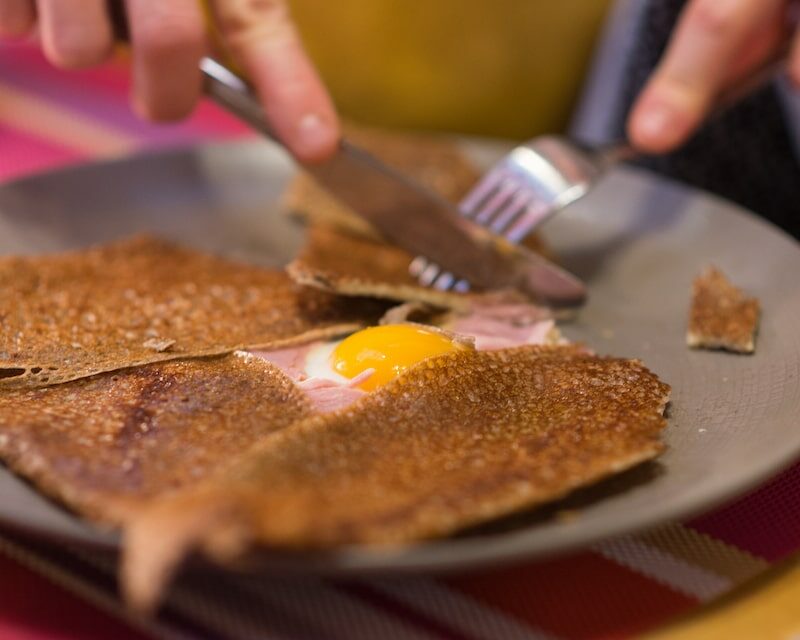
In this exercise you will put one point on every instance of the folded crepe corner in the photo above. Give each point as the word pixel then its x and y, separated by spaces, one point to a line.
pixel 159 536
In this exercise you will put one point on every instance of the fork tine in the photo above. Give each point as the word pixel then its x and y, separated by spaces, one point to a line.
pixel 429 274
pixel 480 192
pixel 417 266
pixel 494 194
pixel 497 201
pixel 505 216
pixel 448 282
pixel 444 281
pixel 426 272
pixel 530 218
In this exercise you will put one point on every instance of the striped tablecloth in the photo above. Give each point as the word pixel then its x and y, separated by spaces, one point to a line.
pixel 619 588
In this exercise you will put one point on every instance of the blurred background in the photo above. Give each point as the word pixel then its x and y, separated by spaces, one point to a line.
pixel 509 68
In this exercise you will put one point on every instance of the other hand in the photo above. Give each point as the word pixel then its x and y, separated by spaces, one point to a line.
pixel 715 43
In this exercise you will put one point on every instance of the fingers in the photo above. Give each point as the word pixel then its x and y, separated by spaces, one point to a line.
pixel 759 46
pixel 168 41
pixel 16 18
pixel 794 62
pixel 705 48
pixel 74 33
pixel 263 40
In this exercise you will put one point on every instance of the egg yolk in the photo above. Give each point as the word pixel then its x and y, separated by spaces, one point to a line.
pixel 389 350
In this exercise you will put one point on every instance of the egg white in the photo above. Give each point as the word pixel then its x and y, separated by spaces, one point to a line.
pixel 319 362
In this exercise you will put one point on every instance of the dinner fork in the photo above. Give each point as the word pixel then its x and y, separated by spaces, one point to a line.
pixel 543 176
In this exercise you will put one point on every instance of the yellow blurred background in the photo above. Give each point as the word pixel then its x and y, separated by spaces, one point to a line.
pixel 502 67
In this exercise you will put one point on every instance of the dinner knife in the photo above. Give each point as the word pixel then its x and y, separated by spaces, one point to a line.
pixel 405 212
pixel 409 214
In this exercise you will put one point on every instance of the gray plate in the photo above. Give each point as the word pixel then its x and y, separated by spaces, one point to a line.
pixel 637 239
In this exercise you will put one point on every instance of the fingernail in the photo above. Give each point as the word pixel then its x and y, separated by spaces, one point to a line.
pixel 314 134
pixel 656 121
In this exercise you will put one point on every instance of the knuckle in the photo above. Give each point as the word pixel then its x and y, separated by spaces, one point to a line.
pixel 164 34
pixel 14 23
pixel 160 42
pixel 674 84
pixel 713 17
pixel 75 47
pixel 248 19
pixel 794 74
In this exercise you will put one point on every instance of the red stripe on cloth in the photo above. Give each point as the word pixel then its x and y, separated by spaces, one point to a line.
pixel 392 607
pixel 110 77
pixel 31 608
pixel 23 153
pixel 212 120
pixel 765 522
pixel 580 596
pixel 103 92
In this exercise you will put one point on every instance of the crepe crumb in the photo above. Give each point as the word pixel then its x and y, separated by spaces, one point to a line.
pixel 722 316
pixel 158 345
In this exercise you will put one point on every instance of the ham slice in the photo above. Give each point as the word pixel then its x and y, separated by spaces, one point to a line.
pixel 326 395
pixel 290 360
pixel 493 327
pixel 492 335
pixel 501 326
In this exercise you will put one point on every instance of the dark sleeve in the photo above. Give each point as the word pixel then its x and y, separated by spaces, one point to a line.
pixel 746 155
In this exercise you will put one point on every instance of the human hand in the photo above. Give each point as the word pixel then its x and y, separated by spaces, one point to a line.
pixel 716 43
pixel 168 38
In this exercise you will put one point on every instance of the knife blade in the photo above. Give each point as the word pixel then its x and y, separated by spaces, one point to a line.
pixel 408 214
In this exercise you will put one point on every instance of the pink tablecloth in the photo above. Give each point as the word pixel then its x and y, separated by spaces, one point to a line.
pixel 614 589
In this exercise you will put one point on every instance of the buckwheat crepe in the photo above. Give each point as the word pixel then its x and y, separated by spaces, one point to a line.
pixel 144 300
pixel 457 440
